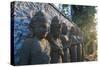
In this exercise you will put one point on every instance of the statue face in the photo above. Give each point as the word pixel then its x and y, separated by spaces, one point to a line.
pixel 56 29
pixel 64 29
pixel 72 30
pixel 41 30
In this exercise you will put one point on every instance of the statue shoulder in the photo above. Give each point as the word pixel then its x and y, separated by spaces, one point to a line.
pixel 28 42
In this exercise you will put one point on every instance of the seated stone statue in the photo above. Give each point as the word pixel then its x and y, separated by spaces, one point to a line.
pixel 65 42
pixel 80 48
pixel 36 50
pixel 55 42
pixel 73 43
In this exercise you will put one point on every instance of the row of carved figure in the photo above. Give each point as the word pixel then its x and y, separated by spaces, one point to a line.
pixel 48 42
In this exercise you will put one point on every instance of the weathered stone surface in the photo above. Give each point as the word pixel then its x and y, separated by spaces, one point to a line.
pixel 23 12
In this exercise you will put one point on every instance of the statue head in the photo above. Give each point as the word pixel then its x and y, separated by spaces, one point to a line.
pixel 55 28
pixel 39 25
pixel 72 30
pixel 64 28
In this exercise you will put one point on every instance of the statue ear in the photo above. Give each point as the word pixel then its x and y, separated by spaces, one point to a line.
pixel 49 30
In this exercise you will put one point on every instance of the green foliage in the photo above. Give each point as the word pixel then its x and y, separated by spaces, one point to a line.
pixel 84 17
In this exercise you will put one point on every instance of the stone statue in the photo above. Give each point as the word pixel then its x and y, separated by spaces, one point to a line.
pixel 73 43
pixel 80 48
pixel 36 50
pixel 55 42
pixel 65 42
